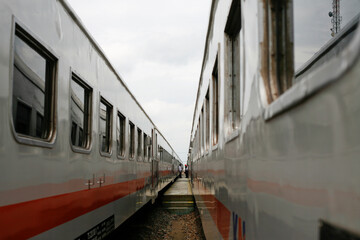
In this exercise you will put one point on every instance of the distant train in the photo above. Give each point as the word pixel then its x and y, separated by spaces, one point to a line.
pixel 275 143
pixel 78 154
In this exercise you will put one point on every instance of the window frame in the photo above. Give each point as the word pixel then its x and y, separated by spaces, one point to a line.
pixel 149 149
pixel 120 116
pixel 215 81
pixel 131 148
pixel 139 144
pixel 202 133
pixel 155 148
pixel 232 56
pixel 207 120
pixel 198 129
pixel 108 126
pixel 277 48
pixel 160 153
pixel 89 94
pixel 50 96
pixel 145 152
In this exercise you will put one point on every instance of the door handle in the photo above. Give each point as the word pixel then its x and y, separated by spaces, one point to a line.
pixel 89 183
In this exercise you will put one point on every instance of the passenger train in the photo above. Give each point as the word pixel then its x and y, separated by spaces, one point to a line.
pixel 78 154
pixel 275 142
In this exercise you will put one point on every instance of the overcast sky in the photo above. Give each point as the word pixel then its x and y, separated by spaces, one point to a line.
pixel 157 47
pixel 313 24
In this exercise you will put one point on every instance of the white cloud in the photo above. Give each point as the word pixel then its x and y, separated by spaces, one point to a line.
pixel 157 47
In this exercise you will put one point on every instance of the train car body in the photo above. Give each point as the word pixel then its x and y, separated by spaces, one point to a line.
pixel 275 142
pixel 78 154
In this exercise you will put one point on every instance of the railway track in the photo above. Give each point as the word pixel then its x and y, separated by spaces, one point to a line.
pixel 167 219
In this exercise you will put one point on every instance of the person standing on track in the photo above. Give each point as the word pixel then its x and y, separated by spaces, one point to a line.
pixel 180 170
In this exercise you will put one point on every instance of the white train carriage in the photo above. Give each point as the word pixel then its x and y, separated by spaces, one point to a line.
pixel 275 142
pixel 78 154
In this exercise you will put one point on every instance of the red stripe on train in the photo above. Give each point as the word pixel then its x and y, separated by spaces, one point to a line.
pixel 27 219
pixel 219 213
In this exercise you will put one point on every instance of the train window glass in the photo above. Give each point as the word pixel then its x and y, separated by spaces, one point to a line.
pixel 161 156
pixel 152 143
pixel 166 156
pixel 33 87
pixel 145 137
pixel 159 152
pixel 80 113
pixel 81 136
pixel 131 140
pixel 120 130
pixel 73 132
pixel 195 141
pixel 202 131
pixel 313 30
pixel 232 66
pixel 207 111
pixel 277 67
pixel 149 150
pixel 139 143
pixel 105 126
pixel 39 124
pixel 156 149
pixel 23 121
pixel 215 99
pixel 198 142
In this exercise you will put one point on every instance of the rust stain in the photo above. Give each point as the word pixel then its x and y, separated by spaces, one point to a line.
pixel 264 46
pixel 277 59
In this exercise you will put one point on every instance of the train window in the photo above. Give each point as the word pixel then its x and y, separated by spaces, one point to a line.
pixel 105 126
pixel 23 113
pixel 149 150
pixel 202 131
pixel 131 140
pixel 145 137
pixel 232 65
pixel 198 141
pixel 152 143
pixel 139 143
pixel 207 122
pixel 34 71
pixel 277 67
pixel 166 156
pixel 215 99
pixel 160 150
pixel 39 124
pixel 156 149
pixel 80 113
pixel 120 134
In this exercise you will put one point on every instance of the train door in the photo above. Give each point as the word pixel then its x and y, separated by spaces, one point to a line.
pixel 154 160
